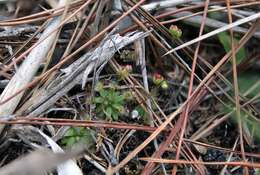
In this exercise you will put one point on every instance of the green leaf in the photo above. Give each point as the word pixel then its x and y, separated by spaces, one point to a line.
pixel 111 95
pixel 248 79
pixel 70 141
pixel 118 98
pixel 78 134
pixel 225 40
pixel 118 107
pixel 70 132
pixel 115 116
pixel 103 93
pixel 86 136
pixel 108 111
pixel 69 137
pixel 98 100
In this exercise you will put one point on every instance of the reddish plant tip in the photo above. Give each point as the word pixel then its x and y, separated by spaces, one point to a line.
pixel 128 67
pixel 157 79
pixel 157 76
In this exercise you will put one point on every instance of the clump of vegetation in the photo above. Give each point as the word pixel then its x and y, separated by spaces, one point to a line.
pixel 159 81
pixel 77 135
pixel 108 102
pixel 124 72
pixel 175 31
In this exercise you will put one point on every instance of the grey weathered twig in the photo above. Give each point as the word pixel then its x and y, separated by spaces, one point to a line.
pixel 29 67
pixel 75 72
pixel 141 56
pixel 17 31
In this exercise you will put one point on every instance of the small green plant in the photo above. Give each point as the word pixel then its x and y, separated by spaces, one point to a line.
pixel 225 39
pixel 124 72
pixel 159 81
pixel 77 134
pixel 110 103
pixel 128 96
pixel 175 31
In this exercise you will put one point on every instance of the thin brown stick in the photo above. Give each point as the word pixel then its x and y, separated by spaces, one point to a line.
pixel 244 164
pixel 236 90
pixel 79 123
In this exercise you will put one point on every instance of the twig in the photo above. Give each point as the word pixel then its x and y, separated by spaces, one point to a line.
pixel 71 122
pixel 245 164
pixel 17 31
